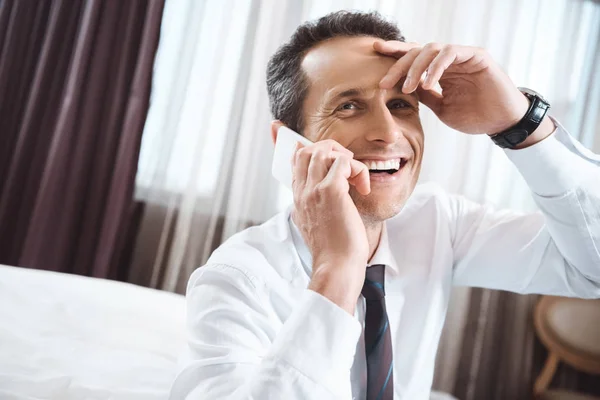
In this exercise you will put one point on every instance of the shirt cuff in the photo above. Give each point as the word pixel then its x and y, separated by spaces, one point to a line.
pixel 319 340
pixel 549 167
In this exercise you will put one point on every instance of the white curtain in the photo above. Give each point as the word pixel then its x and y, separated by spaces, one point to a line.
pixel 204 171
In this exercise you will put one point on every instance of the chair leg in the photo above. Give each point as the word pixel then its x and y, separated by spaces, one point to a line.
pixel 545 377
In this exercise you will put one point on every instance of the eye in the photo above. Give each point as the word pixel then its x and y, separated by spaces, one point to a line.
pixel 347 106
pixel 399 104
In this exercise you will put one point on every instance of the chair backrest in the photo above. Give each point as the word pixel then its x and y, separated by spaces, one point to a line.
pixel 570 329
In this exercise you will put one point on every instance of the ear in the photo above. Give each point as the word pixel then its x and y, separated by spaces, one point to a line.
pixel 275 125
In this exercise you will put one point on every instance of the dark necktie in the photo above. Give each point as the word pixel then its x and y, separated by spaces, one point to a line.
pixel 378 340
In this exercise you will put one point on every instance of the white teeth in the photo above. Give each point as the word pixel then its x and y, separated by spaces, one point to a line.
pixel 383 165
pixel 391 164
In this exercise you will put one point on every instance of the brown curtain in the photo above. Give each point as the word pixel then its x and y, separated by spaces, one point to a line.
pixel 500 354
pixel 75 81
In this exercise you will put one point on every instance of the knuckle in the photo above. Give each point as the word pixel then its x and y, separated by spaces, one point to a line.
pixel 317 194
pixel 344 159
pixel 432 46
pixel 335 145
pixel 303 153
pixel 447 48
pixel 325 190
pixel 414 51
pixel 328 145
pixel 319 157
pixel 320 189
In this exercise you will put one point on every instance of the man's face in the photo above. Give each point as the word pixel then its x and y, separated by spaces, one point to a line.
pixel 344 103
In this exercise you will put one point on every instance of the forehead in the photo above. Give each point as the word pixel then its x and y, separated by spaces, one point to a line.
pixel 345 62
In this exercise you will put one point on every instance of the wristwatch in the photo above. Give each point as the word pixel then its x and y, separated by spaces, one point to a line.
pixel 511 137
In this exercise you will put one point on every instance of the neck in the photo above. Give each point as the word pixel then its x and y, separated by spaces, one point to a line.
pixel 374 230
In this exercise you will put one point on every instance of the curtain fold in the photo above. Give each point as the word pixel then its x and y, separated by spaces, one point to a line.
pixel 204 170
pixel 75 78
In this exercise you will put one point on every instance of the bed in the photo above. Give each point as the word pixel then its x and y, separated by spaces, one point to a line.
pixel 68 337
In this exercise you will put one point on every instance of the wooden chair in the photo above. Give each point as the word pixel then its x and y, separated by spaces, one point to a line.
pixel 570 330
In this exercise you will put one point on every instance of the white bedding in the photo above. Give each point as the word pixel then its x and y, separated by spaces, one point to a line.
pixel 68 337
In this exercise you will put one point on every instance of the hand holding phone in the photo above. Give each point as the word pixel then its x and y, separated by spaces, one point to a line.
pixel 325 213
pixel 285 147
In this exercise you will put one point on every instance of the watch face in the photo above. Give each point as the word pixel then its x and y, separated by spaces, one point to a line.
pixel 532 93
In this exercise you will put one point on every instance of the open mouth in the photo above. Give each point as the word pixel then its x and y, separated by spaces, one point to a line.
pixel 382 168
pixel 389 171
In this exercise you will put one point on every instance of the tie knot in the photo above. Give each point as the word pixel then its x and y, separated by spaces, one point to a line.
pixel 373 288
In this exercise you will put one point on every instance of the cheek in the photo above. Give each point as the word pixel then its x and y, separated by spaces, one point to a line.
pixel 419 148
pixel 342 131
pixel 417 142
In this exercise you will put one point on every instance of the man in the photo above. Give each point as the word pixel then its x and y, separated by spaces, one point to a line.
pixel 344 295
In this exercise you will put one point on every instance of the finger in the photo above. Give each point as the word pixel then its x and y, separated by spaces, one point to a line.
pixel 322 155
pixel 359 177
pixel 300 170
pixel 399 69
pixel 320 162
pixel 345 172
pixel 297 147
pixel 431 98
pixel 338 174
pixel 334 145
pixel 419 66
pixel 394 48
pixel 471 60
pixel 444 59
pixel 329 144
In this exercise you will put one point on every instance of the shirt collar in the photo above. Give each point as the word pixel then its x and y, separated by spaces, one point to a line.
pixel 383 254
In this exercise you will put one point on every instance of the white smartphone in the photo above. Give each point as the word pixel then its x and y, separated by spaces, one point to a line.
pixel 285 145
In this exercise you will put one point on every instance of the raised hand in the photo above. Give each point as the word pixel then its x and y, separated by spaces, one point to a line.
pixel 476 94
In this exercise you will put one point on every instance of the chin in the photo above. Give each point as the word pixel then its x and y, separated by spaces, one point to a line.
pixel 381 205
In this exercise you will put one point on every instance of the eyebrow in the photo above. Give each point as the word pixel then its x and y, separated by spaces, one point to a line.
pixel 348 93
pixel 361 91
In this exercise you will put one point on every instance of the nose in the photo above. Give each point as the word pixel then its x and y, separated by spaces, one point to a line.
pixel 383 127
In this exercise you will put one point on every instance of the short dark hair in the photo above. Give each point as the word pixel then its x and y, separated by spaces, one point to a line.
pixel 287 84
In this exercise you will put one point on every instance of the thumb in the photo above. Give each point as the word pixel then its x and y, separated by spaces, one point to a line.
pixel 359 177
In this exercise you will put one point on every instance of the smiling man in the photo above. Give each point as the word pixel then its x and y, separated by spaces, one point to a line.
pixel 344 294
pixel 346 104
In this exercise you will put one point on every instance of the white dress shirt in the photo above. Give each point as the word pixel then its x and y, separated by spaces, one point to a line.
pixel 256 332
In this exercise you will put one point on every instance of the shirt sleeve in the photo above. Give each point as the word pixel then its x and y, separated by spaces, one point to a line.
pixel 554 251
pixel 240 349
